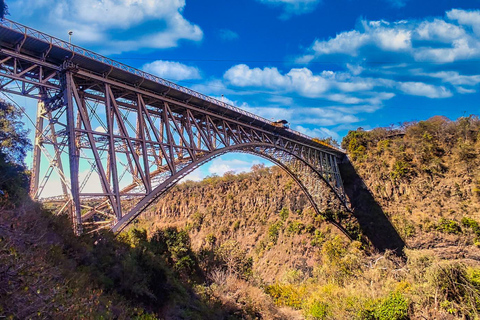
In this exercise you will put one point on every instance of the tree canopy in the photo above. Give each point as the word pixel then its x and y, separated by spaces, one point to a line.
pixel 3 9
pixel 14 144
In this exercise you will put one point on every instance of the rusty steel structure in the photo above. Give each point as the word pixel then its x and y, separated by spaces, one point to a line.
pixel 136 135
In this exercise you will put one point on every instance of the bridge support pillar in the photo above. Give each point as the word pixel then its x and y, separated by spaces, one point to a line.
pixel 37 152
pixel 73 154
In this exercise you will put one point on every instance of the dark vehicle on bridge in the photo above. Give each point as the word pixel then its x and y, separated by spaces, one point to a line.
pixel 280 124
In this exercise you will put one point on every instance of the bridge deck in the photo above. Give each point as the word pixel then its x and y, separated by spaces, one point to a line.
pixel 15 36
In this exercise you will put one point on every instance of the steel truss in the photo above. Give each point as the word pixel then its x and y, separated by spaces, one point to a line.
pixel 137 144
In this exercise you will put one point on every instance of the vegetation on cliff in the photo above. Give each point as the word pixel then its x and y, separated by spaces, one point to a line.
pixel 249 246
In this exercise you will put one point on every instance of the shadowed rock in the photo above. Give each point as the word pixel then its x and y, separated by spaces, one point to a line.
pixel 373 222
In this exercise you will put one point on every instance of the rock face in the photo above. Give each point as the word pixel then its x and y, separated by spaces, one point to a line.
pixel 263 211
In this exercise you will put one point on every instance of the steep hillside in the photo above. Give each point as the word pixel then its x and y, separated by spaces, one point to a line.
pixel 264 211
pixel 420 182
pixel 46 272
pixel 425 177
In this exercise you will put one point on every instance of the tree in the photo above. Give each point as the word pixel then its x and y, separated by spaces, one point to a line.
pixel 14 143
pixel 3 9
pixel 14 179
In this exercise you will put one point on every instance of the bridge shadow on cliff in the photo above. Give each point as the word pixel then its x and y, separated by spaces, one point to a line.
pixel 373 221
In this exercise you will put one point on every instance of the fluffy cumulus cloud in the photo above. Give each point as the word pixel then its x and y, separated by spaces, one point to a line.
pixel 171 70
pixel 293 7
pixel 300 80
pixel 451 38
pixel 339 87
pixel 466 18
pixel 110 22
pixel 428 58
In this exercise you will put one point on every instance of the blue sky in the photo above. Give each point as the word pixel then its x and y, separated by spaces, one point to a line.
pixel 327 66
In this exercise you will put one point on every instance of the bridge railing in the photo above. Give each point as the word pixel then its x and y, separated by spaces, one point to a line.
pixel 110 62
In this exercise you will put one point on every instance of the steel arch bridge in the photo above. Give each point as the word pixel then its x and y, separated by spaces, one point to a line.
pixel 136 135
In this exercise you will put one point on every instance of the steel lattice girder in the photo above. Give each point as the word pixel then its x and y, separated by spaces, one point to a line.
pixel 145 142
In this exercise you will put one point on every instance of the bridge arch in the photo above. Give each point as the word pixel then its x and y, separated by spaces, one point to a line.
pixel 293 164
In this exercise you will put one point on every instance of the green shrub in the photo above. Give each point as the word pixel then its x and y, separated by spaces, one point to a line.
pixel 356 143
pixel 393 307
pixel 472 224
pixel 274 231
pixel 285 295
pixel 318 238
pixel 284 214
pixel 14 144
pixel 466 152
pixel 401 169
pixel 449 226
pixel 14 181
pixel 295 227
pixel 318 310
pixel 383 145
pixel 367 310
pixel 174 245
pixel 341 260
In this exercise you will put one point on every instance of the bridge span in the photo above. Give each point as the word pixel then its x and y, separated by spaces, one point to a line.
pixel 138 134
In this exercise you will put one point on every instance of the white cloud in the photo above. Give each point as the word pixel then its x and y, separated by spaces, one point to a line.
pixel 300 80
pixel 460 49
pixel 466 18
pixel 436 40
pixel 91 183
pixel 341 87
pixel 423 89
pixel 271 113
pixel 346 43
pixel 293 7
pixel 196 175
pixel 426 57
pixel 463 90
pixel 455 78
pixel 172 70
pixel 242 76
pixel 100 129
pixel 109 22
pixel 321 133
pixel 438 30
pixel 212 87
